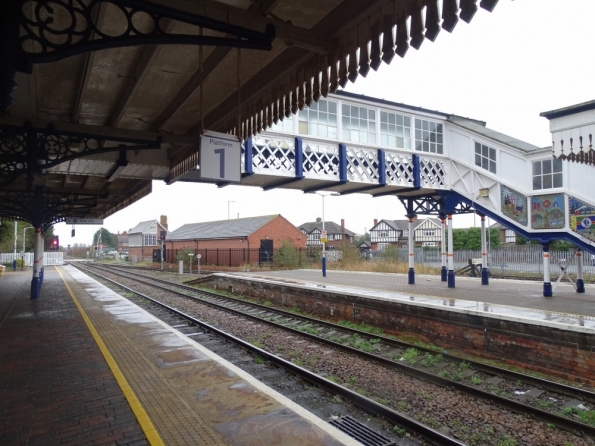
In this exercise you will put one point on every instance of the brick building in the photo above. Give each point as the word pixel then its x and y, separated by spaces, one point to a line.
pixel 336 234
pixel 122 247
pixel 144 238
pixel 225 238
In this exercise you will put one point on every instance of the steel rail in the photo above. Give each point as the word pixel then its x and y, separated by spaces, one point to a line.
pixel 517 407
pixel 361 401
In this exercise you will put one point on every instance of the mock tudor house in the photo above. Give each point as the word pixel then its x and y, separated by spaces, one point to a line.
pixel 336 234
pixel 144 238
pixel 384 233
pixel 220 238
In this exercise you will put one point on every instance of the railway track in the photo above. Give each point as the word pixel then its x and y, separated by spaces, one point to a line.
pixel 556 405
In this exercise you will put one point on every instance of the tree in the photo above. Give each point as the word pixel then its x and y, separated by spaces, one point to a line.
pixel 107 238
pixel 287 256
pixel 359 238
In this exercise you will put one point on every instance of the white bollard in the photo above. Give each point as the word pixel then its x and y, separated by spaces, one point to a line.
pixel 181 267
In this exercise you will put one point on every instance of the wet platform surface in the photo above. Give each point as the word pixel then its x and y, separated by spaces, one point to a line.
pixel 502 298
pixel 83 365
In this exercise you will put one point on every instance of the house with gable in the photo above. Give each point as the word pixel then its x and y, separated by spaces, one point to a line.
pixel 144 238
pixel 426 232
pixel 336 234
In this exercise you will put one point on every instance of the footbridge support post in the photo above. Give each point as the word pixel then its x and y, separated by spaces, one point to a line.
pixel 37 263
pixel 580 283
pixel 443 275
pixel 547 285
pixel 451 263
pixel 410 243
pixel 485 272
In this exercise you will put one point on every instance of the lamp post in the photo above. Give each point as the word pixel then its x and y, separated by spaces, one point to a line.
pixel 228 207
pixel 323 230
pixel 14 259
pixel 190 255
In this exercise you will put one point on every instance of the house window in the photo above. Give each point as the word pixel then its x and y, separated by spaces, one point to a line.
pixel 320 119
pixel 383 234
pixel 285 126
pixel 485 157
pixel 429 244
pixel 406 233
pixel 428 136
pixel 429 233
pixel 359 124
pixel 547 174
pixel 395 130
pixel 150 240
pixel 383 246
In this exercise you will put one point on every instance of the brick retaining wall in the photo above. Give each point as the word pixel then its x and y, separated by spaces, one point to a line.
pixel 544 349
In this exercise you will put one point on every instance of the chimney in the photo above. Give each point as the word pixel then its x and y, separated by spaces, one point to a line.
pixel 343 226
pixel 375 222
pixel 318 219
pixel 164 221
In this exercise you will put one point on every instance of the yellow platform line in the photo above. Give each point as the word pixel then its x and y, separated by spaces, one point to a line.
pixel 140 414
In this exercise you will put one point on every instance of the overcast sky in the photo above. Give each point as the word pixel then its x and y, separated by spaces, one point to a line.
pixel 505 68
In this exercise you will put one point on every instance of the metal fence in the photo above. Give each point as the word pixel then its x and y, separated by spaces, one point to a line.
pixel 235 257
pixel 49 258
pixel 526 259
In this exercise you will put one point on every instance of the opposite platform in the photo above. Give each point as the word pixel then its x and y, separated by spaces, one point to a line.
pixel 502 298
pixel 58 387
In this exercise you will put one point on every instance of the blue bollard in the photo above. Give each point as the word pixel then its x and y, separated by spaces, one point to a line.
pixel 451 278
pixel 485 274
pixel 547 289
pixel 443 274
pixel 411 276
pixel 324 267
pixel 35 288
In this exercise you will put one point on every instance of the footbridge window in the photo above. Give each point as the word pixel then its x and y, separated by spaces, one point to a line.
pixel 320 119
pixel 359 124
pixel 485 157
pixel 285 126
pixel 428 136
pixel 395 130
pixel 547 174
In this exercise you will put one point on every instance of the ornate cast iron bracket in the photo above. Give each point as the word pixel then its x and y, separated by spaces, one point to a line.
pixel 25 149
pixel 43 208
pixel 57 29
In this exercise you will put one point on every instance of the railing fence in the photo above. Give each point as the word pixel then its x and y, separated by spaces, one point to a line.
pixel 49 258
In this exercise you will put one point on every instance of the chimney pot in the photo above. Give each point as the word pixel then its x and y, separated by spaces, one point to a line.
pixel 318 219
pixel 375 222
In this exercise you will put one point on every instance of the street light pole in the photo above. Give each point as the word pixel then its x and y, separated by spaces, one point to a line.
pixel 334 194
pixel 228 207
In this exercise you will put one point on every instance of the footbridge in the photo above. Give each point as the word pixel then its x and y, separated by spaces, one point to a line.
pixel 447 165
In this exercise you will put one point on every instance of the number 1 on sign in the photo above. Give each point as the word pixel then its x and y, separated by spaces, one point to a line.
pixel 221 153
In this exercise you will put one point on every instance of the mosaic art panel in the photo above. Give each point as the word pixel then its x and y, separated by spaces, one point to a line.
pixel 547 212
pixel 582 218
pixel 514 205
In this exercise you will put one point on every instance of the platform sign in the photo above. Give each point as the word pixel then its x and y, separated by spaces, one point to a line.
pixel 323 236
pixel 220 157
pixel 84 221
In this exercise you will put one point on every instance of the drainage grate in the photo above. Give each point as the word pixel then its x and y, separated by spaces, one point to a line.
pixel 360 432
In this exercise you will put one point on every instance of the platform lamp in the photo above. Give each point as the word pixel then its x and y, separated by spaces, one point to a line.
pixel 334 194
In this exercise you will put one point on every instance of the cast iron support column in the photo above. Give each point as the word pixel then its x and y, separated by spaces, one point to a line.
pixel 547 285
pixel 41 251
pixel 37 261
pixel 580 283
pixel 451 263
pixel 485 272
pixel 411 243
pixel 443 274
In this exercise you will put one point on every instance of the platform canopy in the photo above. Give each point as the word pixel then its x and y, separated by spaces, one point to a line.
pixel 572 131
pixel 100 97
